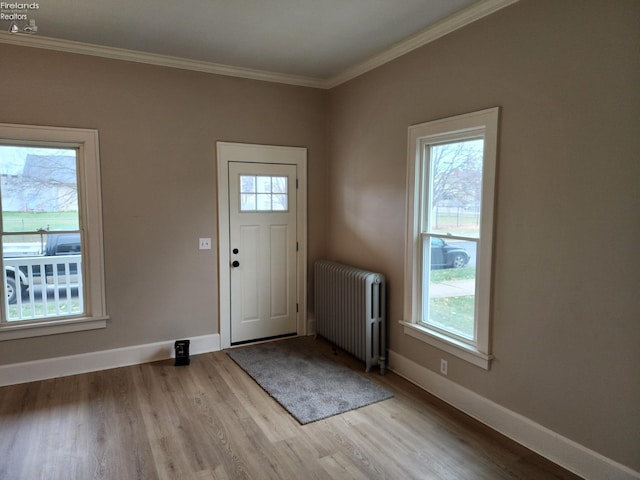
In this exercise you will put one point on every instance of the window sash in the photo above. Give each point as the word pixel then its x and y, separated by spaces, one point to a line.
pixel 64 272
pixel 428 187
pixel 434 296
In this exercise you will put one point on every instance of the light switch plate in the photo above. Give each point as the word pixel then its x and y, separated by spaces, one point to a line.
pixel 205 244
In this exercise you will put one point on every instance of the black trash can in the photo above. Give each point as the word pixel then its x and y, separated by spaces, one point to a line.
pixel 182 352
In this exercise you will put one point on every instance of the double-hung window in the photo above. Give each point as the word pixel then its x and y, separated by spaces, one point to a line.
pixel 51 231
pixel 450 199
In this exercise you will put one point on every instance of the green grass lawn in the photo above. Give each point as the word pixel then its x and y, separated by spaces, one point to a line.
pixel 446 274
pixel 455 314
pixel 32 222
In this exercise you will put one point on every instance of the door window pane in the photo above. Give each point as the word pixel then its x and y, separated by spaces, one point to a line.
pixel 279 203
pixel 264 202
pixel 247 202
pixel 279 184
pixel 247 184
pixel 263 193
pixel 263 184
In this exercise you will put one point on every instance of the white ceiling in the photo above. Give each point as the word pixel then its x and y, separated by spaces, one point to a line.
pixel 316 39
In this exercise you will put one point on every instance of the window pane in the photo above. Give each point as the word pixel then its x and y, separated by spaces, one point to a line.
pixel 42 275
pixel 247 202
pixel 247 183
pixel 279 184
pixel 280 203
pixel 449 285
pixel 39 189
pixel 263 184
pixel 455 188
pixel 264 201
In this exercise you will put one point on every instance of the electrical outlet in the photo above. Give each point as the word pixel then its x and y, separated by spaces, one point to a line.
pixel 205 244
pixel 443 366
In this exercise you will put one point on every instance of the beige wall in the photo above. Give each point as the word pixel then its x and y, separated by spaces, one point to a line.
pixel 566 308
pixel 158 128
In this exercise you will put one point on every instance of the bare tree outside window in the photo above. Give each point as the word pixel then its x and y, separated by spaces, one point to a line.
pixel 456 189
pixel 51 183
pixel 39 185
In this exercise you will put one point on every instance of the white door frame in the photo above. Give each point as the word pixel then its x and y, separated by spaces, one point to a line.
pixel 250 153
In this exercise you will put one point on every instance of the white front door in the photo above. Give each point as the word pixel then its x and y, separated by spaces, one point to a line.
pixel 262 250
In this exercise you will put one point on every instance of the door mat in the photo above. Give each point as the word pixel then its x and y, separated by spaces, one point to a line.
pixel 307 384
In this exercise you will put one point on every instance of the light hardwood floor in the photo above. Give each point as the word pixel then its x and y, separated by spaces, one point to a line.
pixel 211 421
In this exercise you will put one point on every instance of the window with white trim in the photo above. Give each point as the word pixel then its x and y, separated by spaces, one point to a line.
pixel 450 199
pixel 51 231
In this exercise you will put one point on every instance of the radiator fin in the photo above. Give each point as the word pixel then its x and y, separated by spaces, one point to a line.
pixel 350 310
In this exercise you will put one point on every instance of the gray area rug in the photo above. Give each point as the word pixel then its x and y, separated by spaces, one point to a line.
pixel 308 385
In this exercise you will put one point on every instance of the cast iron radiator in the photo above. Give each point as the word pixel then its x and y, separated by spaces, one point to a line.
pixel 350 310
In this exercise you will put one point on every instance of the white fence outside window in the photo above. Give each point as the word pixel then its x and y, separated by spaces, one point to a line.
pixel 45 287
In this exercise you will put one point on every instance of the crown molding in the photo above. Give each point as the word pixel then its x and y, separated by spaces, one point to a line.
pixel 69 46
pixel 440 29
pixel 454 22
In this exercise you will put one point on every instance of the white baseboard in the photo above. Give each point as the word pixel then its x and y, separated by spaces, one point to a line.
pixel 102 360
pixel 560 450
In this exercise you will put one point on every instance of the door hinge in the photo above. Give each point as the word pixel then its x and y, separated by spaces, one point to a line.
pixel 296 308
pixel 297 248
pixel 296 183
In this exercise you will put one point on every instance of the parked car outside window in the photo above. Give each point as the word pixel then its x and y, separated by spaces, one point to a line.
pixel 444 255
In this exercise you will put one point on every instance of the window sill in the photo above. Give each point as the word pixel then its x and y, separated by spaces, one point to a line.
pixel 449 345
pixel 9 331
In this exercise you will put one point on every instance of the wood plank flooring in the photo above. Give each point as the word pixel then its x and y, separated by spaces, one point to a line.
pixel 211 421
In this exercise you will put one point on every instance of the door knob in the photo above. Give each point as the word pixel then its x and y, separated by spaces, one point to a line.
pixel 235 263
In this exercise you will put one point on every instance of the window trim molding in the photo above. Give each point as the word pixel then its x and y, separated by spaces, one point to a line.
pixel 448 344
pixel 478 353
pixel 87 142
pixel 42 327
